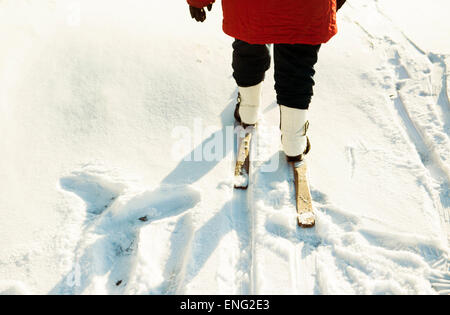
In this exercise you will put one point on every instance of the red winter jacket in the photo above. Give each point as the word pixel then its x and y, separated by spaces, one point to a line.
pixel 278 21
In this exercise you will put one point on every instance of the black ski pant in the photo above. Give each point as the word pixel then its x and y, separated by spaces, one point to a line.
pixel 294 69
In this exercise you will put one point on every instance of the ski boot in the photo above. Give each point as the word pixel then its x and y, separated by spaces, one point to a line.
pixel 294 126
pixel 247 107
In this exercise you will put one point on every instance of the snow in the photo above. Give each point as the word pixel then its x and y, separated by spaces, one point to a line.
pixel 433 27
pixel 117 165
pixel 13 288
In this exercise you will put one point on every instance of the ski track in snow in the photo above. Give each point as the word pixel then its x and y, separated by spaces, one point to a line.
pixel 110 253
pixel 418 82
pixel 418 85
pixel 242 221
pixel 147 242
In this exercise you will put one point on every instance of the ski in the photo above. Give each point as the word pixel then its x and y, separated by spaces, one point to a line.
pixel 305 212
pixel 242 167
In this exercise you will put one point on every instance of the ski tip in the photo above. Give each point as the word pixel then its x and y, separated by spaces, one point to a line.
pixel 241 182
pixel 307 226
pixel 307 220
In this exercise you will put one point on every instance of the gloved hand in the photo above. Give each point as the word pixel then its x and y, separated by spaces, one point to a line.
pixel 199 14
pixel 340 3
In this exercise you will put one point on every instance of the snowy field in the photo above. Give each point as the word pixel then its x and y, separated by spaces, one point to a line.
pixel 112 182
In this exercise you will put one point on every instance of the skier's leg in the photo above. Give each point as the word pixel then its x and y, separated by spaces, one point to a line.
pixel 294 77
pixel 250 63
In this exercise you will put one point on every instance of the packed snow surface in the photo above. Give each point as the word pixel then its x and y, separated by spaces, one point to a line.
pixel 116 157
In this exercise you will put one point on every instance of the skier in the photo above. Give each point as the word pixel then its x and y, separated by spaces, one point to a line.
pixel 297 28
